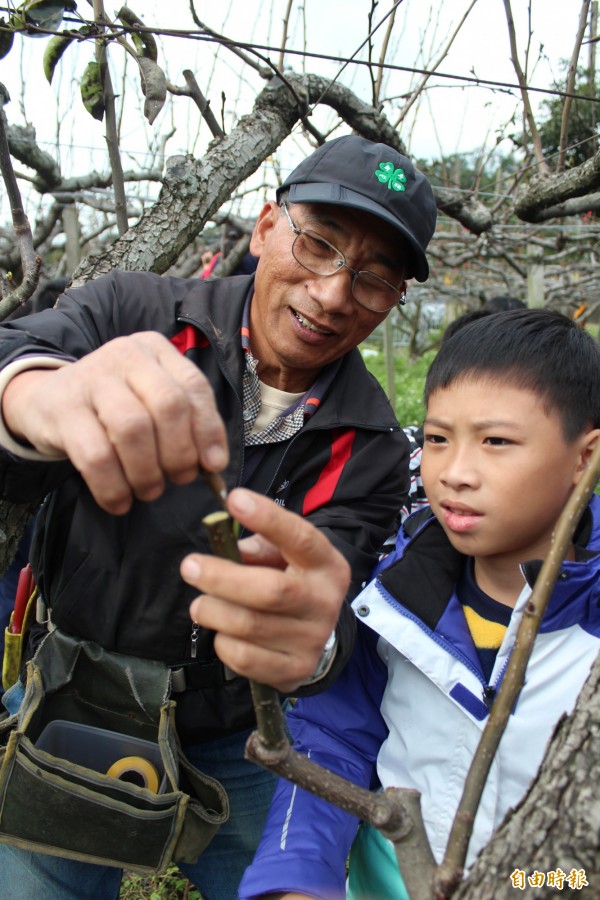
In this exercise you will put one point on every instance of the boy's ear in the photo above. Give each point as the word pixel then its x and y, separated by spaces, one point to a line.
pixel 589 442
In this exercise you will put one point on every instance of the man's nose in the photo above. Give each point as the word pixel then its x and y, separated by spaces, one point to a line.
pixel 335 291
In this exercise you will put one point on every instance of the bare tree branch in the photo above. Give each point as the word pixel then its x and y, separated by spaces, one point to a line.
pixel 444 52
pixel 263 71
pixel 469 212
pixel 286 22
pixel 535 138
pixel 384 49
pixel 570 86
pixel 23 146
pixel 30 263
pixel 202 104
pixel 112 138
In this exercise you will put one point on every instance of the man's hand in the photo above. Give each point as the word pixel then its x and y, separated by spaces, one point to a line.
pixel 271 623
pixel 129 415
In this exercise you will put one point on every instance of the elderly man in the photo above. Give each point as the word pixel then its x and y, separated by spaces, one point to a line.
pixel 116 401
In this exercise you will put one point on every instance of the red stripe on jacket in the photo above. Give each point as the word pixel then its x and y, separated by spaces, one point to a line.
pixel 323 490
pixel 188 338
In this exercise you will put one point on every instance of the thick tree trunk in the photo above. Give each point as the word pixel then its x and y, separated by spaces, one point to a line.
pixel 556 828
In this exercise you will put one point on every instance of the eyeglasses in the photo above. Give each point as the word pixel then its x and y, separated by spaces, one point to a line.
pixel 320 257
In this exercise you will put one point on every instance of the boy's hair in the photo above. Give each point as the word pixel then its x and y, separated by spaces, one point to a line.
pixel 464 319
pixel 502 303
pixel 537 349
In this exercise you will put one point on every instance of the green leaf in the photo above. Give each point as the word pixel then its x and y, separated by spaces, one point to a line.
pixel 6 39
pixel 91 91
pixel 55 48
pixel 144 43
pixel 44 13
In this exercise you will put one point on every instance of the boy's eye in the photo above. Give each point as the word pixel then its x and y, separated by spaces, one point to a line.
pixel 435 439
pixel 497 441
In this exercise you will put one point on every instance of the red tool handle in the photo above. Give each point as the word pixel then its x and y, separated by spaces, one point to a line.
pixel 24 588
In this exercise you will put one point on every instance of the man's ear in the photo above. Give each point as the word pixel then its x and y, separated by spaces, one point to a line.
pixel 267 220
pixel 589 442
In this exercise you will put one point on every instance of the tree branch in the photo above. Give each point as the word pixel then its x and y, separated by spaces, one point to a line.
pixel 30 263
pixel 570 86
pixel 535 137
pixel 545 191
pixel 202 104
pixel 264 72
pixel 111 136
pixel 286 22
pixel 23 146
pixel 416 93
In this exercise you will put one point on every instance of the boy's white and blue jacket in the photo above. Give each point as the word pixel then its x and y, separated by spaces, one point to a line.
pixel 410 708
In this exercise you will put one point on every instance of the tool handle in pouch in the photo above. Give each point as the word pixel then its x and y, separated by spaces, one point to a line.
pixel 17 630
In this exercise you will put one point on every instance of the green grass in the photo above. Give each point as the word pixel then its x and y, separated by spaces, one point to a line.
pixel 409 379
pixel 171 886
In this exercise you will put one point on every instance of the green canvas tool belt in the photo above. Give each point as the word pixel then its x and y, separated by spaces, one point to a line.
pixel 86 713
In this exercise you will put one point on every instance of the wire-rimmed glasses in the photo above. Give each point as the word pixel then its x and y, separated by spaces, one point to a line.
pixel 318 256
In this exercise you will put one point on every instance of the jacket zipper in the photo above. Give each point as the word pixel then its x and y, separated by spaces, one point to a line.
pixel 488 690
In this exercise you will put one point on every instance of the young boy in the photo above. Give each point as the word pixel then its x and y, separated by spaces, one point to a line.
pixel 513 414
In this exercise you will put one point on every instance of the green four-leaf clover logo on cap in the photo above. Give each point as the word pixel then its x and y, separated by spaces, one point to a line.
pixel 395 178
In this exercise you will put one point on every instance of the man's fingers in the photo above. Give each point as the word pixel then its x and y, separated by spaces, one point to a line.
pixel 284 673
pixel 190 432
pixel 247 623
pixel 258 551
pixel 300 543
pixel 271 623
pixel 251 587
pixel 252 642
pixel 94 457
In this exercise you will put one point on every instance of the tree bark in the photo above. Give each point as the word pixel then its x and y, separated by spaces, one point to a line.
pixel 13 521
pixel 552 190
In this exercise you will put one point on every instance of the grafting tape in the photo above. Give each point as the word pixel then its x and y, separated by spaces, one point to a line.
pixel 135 770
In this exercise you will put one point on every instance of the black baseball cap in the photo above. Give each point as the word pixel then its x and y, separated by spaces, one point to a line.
pixel 353 171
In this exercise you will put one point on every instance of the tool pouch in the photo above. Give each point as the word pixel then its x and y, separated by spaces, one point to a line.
pixel 14 644
pixel 82 707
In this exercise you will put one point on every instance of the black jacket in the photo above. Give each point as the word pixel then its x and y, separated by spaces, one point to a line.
pixel 115 580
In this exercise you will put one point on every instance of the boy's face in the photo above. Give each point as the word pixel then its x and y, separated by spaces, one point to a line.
pixel 497 468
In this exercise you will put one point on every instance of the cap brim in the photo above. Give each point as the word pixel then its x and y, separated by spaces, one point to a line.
pixel 337 195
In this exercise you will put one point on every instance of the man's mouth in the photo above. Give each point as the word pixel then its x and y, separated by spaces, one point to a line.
pixel 309 325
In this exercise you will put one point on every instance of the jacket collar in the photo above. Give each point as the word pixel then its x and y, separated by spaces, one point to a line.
pixel 421 574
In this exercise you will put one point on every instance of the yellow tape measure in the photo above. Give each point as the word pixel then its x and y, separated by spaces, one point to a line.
pixel 135 770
